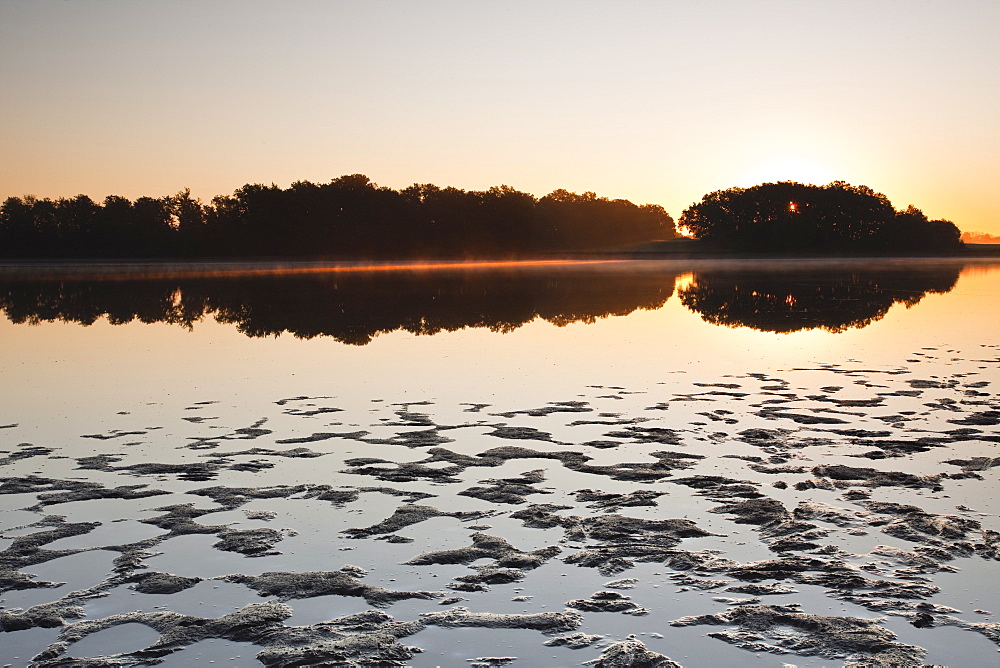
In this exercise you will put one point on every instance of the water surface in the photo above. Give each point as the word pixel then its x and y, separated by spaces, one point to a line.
pixel 128 393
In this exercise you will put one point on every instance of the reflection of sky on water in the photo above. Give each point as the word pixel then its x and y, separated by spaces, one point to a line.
pixel 56 366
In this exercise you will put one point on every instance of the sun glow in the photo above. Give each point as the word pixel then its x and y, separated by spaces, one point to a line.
pixel 683 281
pixel 789 168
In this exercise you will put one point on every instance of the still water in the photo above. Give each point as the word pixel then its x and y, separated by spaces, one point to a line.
pixel 616 381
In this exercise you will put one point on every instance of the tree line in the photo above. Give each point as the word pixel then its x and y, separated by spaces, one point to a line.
pixel 980 238
pixel 837 217
pixel 349 217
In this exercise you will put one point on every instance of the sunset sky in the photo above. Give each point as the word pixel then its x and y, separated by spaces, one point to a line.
pixel 656 102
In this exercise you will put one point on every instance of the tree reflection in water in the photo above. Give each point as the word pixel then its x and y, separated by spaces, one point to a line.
pixel 834 300
pixel 350 307
pixel 354 307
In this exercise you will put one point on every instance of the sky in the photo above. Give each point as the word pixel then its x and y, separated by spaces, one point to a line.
pixel 653 101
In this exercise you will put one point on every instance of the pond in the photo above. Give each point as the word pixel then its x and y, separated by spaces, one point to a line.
pixel 766 462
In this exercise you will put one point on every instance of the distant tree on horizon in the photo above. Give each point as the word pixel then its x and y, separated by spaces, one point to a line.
pixel 980 238
pixel 791 216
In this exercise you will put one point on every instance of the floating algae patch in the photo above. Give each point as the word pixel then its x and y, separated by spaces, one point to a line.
pixel 786 630
pixel 632 653
pixel 350 544
pixel 287 586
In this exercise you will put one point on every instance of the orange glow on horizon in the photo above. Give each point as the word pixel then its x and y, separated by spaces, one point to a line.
pixel 110 272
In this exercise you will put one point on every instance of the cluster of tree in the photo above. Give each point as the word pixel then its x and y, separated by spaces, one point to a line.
pixel 838 217
pixel 348 217
pixel 350 307
pixel 979 238
pixel 796 299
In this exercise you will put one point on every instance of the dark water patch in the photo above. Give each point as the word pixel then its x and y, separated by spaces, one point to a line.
pixel 282 402
pixel 720 487
pixel 409 515
pixel 519 433
pixel 508 490
pixel 506 563
pixel 25 451
pixel 610 502
pixel 287 586
pixel 616 542
pixel 199 419
pixel 179 520
pixel 312 412
pixel 51 491
pixel 854 475
pixel 785 629
pixel 950 533
pixel 602 445
pixel 162 583
pixel 608 601
pixel 778 413
pixel 632 654
pixel 550 408
pixel 985 418
pixel 413 439
pixel 323 436
pixel 249 542
pixel 114 433
pixel 922 384
pixel 975 463
pixel 573 640
pixel 778 527
pixel 28 550
pixel 297 453
pixel 401 471
pixel 648 435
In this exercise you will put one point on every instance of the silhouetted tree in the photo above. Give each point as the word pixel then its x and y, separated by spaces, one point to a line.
pixel 789 216
pixel 348 218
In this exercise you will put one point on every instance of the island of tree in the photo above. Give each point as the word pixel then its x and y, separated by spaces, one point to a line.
pixel 835 218
pixel 352 218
